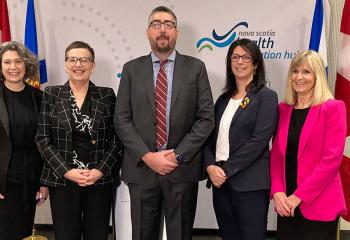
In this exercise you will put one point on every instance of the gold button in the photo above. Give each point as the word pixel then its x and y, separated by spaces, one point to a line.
pixel 93 141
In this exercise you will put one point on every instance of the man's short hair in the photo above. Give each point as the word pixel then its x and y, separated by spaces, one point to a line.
pixel 162 9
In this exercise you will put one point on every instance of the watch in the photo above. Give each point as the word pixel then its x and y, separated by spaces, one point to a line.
pixel 181 160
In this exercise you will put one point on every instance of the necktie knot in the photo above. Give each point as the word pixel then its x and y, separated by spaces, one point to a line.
pixel 162 63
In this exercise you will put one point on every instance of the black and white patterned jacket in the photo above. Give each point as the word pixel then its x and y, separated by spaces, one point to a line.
pixel 54 136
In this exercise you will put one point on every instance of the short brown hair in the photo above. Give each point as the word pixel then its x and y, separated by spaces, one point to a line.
pixel 162 9
pixel 80 44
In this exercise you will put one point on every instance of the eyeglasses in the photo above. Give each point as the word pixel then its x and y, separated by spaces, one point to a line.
pixel 74 60
pixel 245 58
pixel 156 24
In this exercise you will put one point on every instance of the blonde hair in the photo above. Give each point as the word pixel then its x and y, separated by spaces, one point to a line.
pixel 321 92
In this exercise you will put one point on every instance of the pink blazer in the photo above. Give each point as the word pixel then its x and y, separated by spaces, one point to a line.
pixel 320 153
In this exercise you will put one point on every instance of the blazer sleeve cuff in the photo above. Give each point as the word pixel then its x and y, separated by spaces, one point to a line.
pixel 63 169
pixel 229 171
pixel 104 168
pixel 208 162
pixel 276 189
pixel 302 197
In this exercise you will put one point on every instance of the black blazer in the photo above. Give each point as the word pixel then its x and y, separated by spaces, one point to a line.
pixel 5 139
pixel 190 123
pixel 252 126
pixel 54 136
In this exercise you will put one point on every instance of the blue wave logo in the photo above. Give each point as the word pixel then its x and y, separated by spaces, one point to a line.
pixel 219 41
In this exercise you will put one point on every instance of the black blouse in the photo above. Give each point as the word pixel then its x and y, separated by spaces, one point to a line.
pixel 23 124
pixel 81 133
pixel 296 124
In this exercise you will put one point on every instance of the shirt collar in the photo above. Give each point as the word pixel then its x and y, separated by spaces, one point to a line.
pixel 170 58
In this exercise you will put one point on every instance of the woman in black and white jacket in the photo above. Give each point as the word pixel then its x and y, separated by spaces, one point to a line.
pixel 77 139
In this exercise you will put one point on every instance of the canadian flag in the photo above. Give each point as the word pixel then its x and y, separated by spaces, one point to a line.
pixel 342 91
pixel 5 34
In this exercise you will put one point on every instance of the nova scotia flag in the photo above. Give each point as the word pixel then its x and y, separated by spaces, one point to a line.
pixel 320 26
pixel 32 39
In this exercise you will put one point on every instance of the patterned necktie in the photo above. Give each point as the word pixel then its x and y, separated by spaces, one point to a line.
pixel 161 99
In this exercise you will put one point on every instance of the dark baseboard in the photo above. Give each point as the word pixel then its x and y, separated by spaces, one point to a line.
pixel 44 227
pixel 344 234
pixel 205 232
pixel 49 228
pixel 215 232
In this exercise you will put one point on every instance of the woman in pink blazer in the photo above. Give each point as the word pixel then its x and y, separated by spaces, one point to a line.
pixel 306 154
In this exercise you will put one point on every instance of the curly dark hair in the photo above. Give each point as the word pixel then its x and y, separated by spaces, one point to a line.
pixel 30 60
pixel 259 78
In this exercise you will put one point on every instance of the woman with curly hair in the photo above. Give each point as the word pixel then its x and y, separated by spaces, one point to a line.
pixel 20 161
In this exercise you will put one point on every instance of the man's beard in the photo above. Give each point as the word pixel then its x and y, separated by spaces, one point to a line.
pixel 163 48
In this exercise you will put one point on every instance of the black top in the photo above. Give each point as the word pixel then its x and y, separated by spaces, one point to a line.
pixel 297 121
pixel 23 124
pixel 81 133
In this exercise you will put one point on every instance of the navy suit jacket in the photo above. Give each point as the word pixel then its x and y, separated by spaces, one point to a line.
pixel 252 126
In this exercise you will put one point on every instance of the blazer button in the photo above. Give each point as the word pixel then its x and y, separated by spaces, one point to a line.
pixel 93 141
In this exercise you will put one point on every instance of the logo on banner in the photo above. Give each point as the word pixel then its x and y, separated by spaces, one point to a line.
pixel 265 39
pixel 219 40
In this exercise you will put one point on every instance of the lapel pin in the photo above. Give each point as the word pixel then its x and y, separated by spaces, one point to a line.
pixel 244 102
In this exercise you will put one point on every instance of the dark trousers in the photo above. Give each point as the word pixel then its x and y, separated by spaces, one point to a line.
pixel 301 228
pixel 80 211
pixel 179 201
pixel 16 217
pixel 241 215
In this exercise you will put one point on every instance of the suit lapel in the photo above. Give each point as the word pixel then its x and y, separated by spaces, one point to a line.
pixel 180 70
pixel 96 110
pixel 64 108
pixel 147 68
pixel 306 130
pixel 284 122
pixel 4 119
